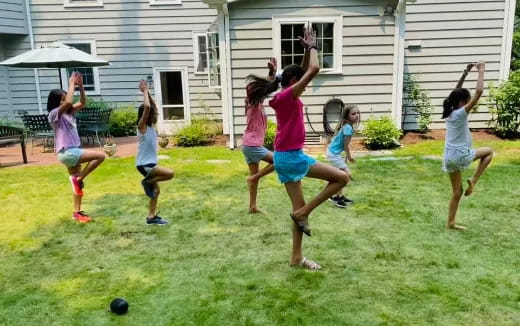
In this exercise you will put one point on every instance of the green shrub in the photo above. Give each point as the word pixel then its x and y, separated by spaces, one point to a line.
pixel 381 133
pixel 505 106
pixel 95 103
pixel 194 134
pixel 123 122
pixel 269 135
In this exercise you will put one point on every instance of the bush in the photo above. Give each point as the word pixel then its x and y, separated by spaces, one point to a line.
pixel 269 135
pixel 123 122
pixel 418 99
pixel 505 107
pixel 194 134
pixel 381 133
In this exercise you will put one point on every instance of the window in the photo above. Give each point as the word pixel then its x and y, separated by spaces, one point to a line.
pixel 172 97
pixel 165 2
pixel 329 34
pixel 90 75
pixel 200 52
pixel 83 3
pixel 212 49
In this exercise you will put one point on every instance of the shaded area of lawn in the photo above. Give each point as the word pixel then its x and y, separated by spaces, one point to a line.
pixel 388 258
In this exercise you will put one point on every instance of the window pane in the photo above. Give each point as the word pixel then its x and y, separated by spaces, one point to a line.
pixel 173 113
pixel 298 48
pixel 328 46
pixel 171 88
pixel 287 47
pixel 85 47
pixel 328 30
pixel 298 59
pixel 202 43
pixel 286 32
pixel 286 60
pixel 328 61
pixel 298 31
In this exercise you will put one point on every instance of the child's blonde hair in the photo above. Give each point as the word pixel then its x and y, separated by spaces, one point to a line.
pixel 344 118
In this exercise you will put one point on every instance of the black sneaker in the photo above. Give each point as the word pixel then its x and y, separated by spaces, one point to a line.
pixel 336 200
pixel 148 188
pixel 346 201
pixel 156 220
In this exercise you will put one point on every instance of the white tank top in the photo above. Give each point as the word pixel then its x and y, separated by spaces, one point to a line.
pixel 147 147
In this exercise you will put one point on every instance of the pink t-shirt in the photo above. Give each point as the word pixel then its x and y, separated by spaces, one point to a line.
pixel 256 125
pixel 290 131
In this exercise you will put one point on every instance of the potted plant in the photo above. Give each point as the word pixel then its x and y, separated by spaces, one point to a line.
pixel 110 147
pixel 163 140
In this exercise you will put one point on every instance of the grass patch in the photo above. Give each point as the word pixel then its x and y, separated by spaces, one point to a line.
pixel 388 259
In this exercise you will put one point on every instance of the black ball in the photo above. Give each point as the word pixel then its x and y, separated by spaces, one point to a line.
pixel 119 306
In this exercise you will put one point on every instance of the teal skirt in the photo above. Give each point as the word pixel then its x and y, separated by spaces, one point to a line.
pixel 292 166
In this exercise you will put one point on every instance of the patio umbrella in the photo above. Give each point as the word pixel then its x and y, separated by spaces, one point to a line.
pixel 55 55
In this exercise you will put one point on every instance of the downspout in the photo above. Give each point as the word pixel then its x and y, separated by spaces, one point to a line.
pixel 229 78
pixel 31 38
pixel 399 38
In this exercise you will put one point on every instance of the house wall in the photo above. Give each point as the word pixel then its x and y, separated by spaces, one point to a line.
pixel 453 33
pixel 133 35
pixel 367 62
pixel 12 17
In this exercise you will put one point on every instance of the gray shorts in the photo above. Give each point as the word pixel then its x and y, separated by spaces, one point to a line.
pixel 70 157
pixel 337 161
pixel 457 159
pixel 254 154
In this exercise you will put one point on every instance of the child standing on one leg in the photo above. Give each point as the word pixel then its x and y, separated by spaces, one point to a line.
pixel 146 160
pixel 458 153
pixel 340 142
pixel 290 163
pixel 67 142
pixel 254 134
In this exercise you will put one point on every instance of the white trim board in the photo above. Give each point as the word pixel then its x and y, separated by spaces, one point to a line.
pixel 507 39
pixel 82 4
pixel 399 53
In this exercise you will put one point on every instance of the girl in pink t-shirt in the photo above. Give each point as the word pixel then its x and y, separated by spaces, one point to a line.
pixel 253 139
pixel 290 163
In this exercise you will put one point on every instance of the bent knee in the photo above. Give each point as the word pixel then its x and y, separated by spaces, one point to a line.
pixel 170 174
pixel 344 178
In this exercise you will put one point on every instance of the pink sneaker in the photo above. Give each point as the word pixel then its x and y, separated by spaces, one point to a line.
pixel 81 217
pixel 77 186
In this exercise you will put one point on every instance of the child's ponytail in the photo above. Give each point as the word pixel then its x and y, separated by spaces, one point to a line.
pixel 259 88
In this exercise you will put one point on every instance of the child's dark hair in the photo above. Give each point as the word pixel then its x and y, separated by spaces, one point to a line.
pixel 259 88
pixel 452 102
pixel 54 99
pixel 344 117
pixel 152 116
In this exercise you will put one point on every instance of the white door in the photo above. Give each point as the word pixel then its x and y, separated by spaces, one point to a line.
pixel 173 100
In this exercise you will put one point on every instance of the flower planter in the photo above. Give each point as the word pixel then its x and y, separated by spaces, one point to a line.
pixel 110 150
pixel 163 141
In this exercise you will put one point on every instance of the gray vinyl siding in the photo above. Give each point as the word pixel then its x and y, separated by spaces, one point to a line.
pixel 21 88
pixel 453 33
pixel 367 62
pixel 12 17
pixel 134 36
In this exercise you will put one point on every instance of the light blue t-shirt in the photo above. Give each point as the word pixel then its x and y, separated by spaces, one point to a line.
pixel 337 145
pixel 146 147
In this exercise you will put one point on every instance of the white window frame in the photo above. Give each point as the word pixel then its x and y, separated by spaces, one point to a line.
pixel 165 2
pixel 218 61
pixel 196 52
pixel 95 70
pixel 76 3
pixel 338 37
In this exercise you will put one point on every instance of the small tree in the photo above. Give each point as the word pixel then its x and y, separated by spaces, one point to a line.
pixel 504 102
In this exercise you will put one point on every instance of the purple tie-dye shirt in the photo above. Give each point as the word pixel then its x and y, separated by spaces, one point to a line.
pixel 66 133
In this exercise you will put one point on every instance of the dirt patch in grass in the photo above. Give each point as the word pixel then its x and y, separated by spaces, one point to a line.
pixel 416 137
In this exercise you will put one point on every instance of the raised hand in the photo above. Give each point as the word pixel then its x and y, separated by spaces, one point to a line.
pixel 79 80
pixel 143 86
pixel 481 65
pixel 73 79
pixel 470 66
pixel 272 65
pixel 309 38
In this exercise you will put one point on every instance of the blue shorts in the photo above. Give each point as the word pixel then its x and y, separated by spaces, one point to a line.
pixel 146 169
pixel 292 166
pixel 70 157
pixel 254 154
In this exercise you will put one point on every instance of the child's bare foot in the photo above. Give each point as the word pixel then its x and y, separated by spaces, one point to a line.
pixel 256 210
pixel 471 185
pixel 307 264
pixel 456 227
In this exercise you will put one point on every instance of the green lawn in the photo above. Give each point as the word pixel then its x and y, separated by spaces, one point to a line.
pixel 388 260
